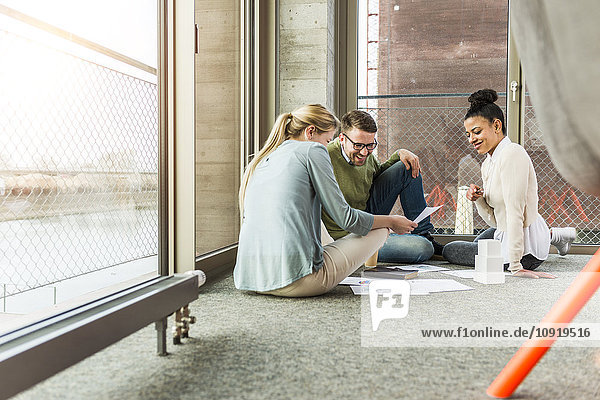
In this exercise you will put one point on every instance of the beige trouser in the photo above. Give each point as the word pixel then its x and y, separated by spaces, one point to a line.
pixel 340 258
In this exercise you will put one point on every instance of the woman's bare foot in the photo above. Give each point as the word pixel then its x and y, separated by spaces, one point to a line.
pixel 525 273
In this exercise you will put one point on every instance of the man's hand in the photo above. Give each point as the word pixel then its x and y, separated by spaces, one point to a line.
pixel 401 225
pixel 410 161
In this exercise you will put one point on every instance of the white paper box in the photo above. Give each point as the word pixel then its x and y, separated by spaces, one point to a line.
pixel 491 278
pixel 489 248
pixel 489 264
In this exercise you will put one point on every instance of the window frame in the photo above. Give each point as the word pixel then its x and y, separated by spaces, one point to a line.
pixel 47 343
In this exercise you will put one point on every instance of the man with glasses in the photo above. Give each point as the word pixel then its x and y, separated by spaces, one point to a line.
pixel 374 187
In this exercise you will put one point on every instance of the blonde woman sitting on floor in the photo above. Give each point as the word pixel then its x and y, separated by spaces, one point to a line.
pixel 281 195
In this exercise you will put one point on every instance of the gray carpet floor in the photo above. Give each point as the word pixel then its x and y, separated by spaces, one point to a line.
pixel 248 346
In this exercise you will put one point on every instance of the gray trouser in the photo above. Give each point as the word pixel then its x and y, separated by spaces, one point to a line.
pixel 340 258
pixel 463 253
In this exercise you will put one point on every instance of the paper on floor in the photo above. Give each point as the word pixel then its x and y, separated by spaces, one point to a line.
pixel 436 285
pixel 356 281
pixel 417 286
pixel 461 273
pixel 364 290
pixel 464 273
pixel 421 268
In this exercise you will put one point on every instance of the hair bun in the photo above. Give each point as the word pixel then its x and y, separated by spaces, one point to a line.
pixel 482 97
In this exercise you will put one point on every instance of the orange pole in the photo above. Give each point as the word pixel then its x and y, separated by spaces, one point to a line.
pixel 564 310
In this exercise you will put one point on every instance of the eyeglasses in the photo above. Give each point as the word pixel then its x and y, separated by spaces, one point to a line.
pixel 360 146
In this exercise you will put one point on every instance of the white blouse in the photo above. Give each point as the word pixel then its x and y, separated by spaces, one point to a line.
pixel 536 241
pixel 510 204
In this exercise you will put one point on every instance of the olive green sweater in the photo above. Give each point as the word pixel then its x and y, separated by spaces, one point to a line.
pixel 354 181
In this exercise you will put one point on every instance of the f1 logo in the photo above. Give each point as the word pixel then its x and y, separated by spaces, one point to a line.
pixel 389 299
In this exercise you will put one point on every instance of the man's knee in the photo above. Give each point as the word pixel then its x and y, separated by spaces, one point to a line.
pixel 406 248
pixel 423 250
pixel 400 170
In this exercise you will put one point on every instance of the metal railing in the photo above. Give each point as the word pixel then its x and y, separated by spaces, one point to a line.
pixel 78 166
pixel 431 126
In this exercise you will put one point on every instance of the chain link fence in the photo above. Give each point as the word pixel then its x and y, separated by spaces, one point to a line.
pixel 78 166
pixel 431 126
pixel 560 203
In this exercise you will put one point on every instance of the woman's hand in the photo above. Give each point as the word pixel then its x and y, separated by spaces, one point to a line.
pixel 401 225
pixel 525 273
pixel 474 192
pixel 397 223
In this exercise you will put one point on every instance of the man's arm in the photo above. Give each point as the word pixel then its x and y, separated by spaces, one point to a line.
pixel 408 158
pixel 410 161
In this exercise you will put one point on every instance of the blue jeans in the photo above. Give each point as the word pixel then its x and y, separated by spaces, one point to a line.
pixel 461 252
pixel 394 182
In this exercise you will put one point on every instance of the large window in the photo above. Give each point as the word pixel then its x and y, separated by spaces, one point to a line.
pixel 78 148
pixel 418 62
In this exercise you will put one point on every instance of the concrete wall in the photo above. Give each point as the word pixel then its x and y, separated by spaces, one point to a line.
pixel 306 69
pixel 306 53
pixel 445 46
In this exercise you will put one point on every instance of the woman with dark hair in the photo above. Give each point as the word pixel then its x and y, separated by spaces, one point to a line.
pixel 508 201
pixel 281 195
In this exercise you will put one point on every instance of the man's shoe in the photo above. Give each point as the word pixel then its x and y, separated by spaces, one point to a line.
pixel 438 248
pixel 562 238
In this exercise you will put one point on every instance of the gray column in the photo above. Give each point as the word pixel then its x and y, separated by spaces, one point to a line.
pixel 306 53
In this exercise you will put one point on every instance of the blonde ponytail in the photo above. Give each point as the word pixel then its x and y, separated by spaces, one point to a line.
pixel 276 137
pixel 287 126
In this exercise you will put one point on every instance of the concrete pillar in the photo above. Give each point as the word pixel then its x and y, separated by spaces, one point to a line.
pixel 306 53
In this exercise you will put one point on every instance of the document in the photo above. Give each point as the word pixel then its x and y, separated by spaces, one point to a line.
pixel 426 213
pixel 360 290
pixel 464 273
pixel 363 290
pixel 461 273
pixel 417 286
pixel 421 268
pixel 436 285
pixel 355 281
